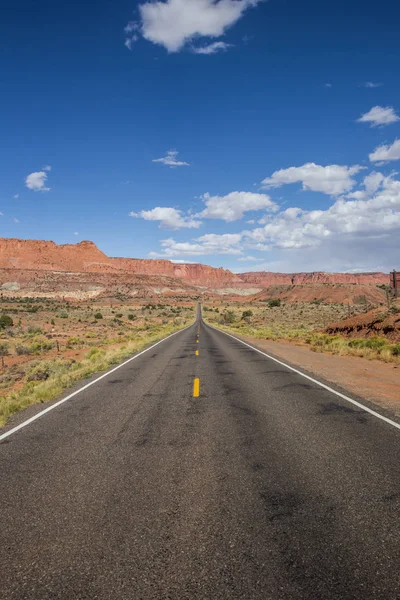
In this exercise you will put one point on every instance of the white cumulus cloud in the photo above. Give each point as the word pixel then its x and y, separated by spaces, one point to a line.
pixel 249 259
pixel 173 23
pixel 169 218
pixel 373 182
pixel 379 116
pixel 211 243
pixel 355 233
pixel 171 160
pixel 363 216
pixel 332 179
pixel 211 48
pixel 386 153
pixel 233 206
pixel 37 181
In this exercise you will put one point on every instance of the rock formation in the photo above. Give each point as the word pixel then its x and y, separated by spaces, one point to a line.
pixel 39 265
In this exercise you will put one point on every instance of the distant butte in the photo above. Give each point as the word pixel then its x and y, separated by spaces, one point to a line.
pixel 86 272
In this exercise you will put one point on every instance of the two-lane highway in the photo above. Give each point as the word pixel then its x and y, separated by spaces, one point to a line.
pixel 201 469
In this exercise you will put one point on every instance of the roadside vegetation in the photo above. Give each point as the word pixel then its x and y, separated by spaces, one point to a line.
pixel 46 350
pixel 304 324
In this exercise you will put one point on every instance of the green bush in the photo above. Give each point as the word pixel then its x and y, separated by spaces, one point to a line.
pixel 395 349
pixel 6 321
pixel 98 316
pixel 63 314
pixel 4 349
pixel 274 302
pixel 374 343
pixel 40 345
pixel 33 309
pixel 229 316
pixel 132 317
pixel 32 330
pixel 247 313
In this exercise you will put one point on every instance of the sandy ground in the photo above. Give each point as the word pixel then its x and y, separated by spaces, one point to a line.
pixel 373 380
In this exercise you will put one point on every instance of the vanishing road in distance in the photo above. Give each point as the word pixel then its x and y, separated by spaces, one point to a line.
pixel 202 469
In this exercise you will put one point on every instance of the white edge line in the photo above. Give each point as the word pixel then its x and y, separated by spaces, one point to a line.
pixel 326 387
pixel 85 387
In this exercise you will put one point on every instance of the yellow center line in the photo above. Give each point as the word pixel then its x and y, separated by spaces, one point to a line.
pixel 196 388
pixel 197 352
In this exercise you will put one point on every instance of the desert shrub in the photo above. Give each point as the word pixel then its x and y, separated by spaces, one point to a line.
pixel 40 345
pixel 132 317
pixel 6 321
pixel 229 316
pixel 98 316
pixel 374 343
pixel 4 349
pixel 40 372
pixel 247 313
pixel 90 334
pixel 94 353
pixel 32 330
pixel 22 350
pixel 274 302
pixel 62 314
pixel 119 316
pixel 53 322
pixel 394 349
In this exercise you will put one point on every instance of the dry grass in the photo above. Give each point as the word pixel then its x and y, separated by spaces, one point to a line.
pixel 37 371
pixel 301 323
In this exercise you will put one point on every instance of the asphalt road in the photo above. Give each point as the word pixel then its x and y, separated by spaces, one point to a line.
pixel 265 486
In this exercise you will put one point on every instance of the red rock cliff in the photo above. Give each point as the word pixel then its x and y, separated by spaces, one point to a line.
pixel 85 257
pixel 265 279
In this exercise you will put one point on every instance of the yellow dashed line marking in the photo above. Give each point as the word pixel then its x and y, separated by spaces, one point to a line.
pixel 197 352
pixel 196 388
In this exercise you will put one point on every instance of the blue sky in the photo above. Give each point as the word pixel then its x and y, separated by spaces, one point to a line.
pixel 239 133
